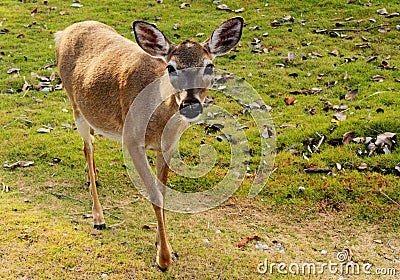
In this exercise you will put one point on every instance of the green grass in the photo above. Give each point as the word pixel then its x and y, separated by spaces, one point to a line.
pixel 43 237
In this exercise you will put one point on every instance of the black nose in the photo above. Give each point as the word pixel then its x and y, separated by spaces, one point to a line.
pixel 191 108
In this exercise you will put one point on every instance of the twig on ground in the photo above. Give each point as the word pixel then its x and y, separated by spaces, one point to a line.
pixel 388 197
pixel 61 196
pixel 116 225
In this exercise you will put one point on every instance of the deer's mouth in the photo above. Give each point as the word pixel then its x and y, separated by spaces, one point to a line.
pixel 191 109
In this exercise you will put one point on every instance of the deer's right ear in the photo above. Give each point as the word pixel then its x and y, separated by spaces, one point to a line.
pixel 152 40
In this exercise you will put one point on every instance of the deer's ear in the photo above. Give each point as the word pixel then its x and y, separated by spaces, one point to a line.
pixel 225 37
pixel 152 40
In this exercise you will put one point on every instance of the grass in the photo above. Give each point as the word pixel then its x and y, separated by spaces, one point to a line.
pixel 45 237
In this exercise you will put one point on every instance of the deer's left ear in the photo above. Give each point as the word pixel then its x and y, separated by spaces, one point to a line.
pixel 225 37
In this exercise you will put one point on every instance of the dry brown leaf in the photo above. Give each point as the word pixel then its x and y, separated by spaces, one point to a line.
pixel 334 53
pixel 290 100
pixel 43 130
pixel 392 15
pixel 377 78
pixel 13 70
pixel 362 166
pixel 340 116
pixel 351 94
pixel 242 242
pixel 223 7
pixel 348 137
pixel 382 12
pixel 241 10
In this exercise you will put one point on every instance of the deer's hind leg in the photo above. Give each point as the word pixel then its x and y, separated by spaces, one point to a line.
pixel 86 133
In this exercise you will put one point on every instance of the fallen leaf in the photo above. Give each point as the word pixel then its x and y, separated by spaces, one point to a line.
pixel 223 7
pixel 214 127
pixel 377 78
pixel 362 166
pixel 387 138
pixel 268 133
pixel 184 5
pixel 334 53
pixel 382 12
pixel 348 137
pixel 288 18
pixel 224 137
pixel 340 116
pixel 241 10
pixel 363 46
pixel 315 54
pixel 43 155
pixel 43 130
pixel 392 15
pixel 275 23
pixel 290 100
pixel 13 70
pixel 351 94
pixel 372 58
pixel 76 5
pixel 66 125
pixel 242 242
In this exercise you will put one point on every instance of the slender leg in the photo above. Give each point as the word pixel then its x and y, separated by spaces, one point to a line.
pixel 138 156
pixel 162 169
pixel 88 149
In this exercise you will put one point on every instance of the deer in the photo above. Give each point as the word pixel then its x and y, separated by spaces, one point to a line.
pixel 103 73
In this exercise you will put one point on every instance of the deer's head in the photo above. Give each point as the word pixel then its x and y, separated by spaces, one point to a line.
pixel 190 63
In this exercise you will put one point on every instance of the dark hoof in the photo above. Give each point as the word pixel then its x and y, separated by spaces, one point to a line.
pixel 163 269
pixel 100 227
pixel 174 257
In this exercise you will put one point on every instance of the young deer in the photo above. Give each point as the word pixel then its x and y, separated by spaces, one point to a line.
pixel 103 73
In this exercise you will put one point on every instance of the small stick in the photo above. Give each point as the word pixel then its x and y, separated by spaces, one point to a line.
pixel 388 197
pixel 116 225
pixel 60 196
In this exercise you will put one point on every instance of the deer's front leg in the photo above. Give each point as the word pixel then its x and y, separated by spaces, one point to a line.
pixel 155 189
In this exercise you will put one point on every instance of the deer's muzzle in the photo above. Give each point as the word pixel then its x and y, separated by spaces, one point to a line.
pixel 191 108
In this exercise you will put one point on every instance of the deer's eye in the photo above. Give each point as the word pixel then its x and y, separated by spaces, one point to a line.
pixel 209 70
pixel 171 70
